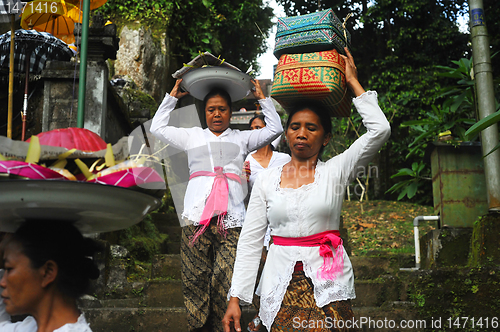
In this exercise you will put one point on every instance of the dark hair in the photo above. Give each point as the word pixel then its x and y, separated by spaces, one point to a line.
pixel 319 110
pixel 257 116
pixel 217 92
pixel 62 242
pixel 261 117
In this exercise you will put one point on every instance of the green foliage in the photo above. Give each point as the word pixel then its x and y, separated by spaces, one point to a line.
pixel 226 28
pixel 455 114
pixel 409 187
pixel 156 12
pixel 142 240
pixel 490 119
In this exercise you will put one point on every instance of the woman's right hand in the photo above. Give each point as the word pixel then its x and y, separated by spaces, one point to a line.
pixel 232 317
pixel 176 90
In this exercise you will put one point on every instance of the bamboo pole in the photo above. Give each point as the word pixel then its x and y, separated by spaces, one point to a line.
pixel 11 77
pixel 82 82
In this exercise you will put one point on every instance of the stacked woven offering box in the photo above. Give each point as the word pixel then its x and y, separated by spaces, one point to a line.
pixel 309 65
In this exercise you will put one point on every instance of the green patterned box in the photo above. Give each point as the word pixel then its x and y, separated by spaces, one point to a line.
pixel 313 32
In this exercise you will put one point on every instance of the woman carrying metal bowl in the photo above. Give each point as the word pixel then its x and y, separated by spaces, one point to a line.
pixel 46 267
pixel 214 207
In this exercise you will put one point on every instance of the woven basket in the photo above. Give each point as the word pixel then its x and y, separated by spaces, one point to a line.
pixel 317 76
pixel 313 32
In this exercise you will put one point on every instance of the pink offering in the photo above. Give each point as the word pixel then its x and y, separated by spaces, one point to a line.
pixel 73 138
pixel 130 177
pixel 28 170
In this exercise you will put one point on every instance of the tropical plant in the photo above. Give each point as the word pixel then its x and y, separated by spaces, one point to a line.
pixel 490 119
pixel 483 124
pixel 409 187
pixel 453 117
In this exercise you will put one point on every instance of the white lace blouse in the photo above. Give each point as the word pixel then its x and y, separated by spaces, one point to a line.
pixel 206 151
pixel 308 210
pixel 29 323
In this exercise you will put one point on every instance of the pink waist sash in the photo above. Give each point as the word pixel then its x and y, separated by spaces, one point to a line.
pixel 333 264
pixel 217 201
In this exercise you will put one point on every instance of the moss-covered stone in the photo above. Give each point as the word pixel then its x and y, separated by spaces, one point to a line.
pixel 445 247
pixel 454 293
pixel 484 248
pixel 140 104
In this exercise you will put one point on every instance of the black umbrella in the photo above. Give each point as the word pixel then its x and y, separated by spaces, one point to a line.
pixel 32 49
pixel 35 46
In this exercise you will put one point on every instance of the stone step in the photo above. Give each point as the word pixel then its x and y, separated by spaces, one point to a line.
pixel 165 219
pixel 149 319
pixel 136 319
pixel 166 293
pixel 373 285
pixel 372 267
pixel 166 266
pixel 373 293
pixel 391 316
pixel 171 248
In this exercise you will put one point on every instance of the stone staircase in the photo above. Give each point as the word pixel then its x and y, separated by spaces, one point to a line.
pixel 157 304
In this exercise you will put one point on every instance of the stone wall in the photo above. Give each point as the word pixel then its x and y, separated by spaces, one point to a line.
pixel 58 105
pixel 143 59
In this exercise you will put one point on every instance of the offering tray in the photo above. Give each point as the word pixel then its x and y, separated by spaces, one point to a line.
pixel 92 207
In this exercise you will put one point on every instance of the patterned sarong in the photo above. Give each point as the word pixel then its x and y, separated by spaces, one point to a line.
pixel 299 311
pixel 207 270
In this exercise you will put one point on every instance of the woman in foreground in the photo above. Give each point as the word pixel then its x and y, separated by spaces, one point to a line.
pixel 308 276
pixel 46 268
pixel 264 158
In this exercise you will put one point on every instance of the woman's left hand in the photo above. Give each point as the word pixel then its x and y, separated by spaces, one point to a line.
pixel 257 90
pixel 231 320
pixel 351 73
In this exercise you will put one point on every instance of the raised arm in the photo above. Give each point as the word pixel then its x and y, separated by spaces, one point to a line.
pixel 362 151
pixel 261 137
pixel 178 137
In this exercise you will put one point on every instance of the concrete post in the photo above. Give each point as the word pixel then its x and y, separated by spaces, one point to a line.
pixel 483 77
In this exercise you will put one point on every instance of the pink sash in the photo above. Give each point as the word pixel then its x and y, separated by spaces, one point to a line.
pixel 332 264
pixel 216 203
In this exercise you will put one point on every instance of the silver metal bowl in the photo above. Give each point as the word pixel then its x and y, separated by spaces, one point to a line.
pixel 200 81
pixel 92 207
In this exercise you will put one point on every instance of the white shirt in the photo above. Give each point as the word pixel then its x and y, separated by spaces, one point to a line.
pixel 308 210
pixel 29 323
pixel 227 150
pixel 277 159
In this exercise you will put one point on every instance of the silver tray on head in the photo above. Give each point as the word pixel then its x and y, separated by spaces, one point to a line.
pixel 199 82
pixel 92 207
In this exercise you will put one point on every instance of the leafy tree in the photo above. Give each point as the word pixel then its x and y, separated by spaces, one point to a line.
pixel 226 28
pixel 491 12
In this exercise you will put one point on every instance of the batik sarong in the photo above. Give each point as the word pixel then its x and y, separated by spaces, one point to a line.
pixel 207 270
pixel 299 311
